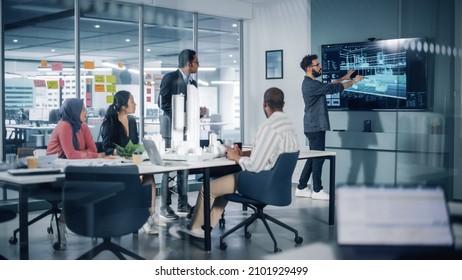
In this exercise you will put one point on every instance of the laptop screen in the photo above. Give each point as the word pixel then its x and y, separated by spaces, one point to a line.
pixel 384 215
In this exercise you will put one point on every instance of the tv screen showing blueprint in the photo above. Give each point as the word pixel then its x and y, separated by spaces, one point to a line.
pixel 394 74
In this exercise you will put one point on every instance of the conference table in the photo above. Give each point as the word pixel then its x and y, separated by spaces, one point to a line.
pixel 25 184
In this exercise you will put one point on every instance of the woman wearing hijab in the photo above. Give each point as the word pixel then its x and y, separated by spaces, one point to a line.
pixel 71 137
pixel 119 127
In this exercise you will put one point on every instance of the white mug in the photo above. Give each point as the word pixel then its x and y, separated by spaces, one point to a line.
pixel 40 152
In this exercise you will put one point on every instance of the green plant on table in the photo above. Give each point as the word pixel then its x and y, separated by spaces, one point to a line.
pixel 129 149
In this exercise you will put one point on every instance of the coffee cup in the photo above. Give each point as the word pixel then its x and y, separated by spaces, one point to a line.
pixel 32 162
pixel 137 158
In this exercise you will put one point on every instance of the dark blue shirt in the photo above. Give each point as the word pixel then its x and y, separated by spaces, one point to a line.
pixel 314 92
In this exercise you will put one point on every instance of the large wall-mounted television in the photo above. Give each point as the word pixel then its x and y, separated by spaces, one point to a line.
pixel 394 74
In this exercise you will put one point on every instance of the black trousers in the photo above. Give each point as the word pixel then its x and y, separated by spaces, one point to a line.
pixel 317 142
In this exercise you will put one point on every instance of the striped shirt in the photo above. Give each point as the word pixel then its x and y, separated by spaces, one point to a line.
pixel 275 136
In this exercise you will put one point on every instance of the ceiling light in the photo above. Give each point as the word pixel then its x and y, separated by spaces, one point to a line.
pixel 203 69
pixel 15 40
pixel 134 71
pixel 230 55
pixel 224 82
pixel 112 65
pixel 127 40
pixel 69 69
pixel 97 26
pixel 234 25
pixel 148 50
pixel 12 75
pixel 52 50
pixel 202 83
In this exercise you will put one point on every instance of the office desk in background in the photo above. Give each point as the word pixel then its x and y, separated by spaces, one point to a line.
pixel 21 131
pixel 24 184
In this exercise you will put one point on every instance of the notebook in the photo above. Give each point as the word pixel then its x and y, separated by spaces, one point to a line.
pixel 154 155
pixel 415 216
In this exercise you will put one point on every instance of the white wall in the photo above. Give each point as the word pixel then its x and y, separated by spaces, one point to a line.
pixel 283 26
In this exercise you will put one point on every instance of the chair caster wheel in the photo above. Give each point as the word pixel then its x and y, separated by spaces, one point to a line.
pixel 223 246
pixel 298 240
pixel 13 240
pixel 248 235
pixel 56 246
pixel 191 212
pixel 277 250
pixel 222 223
pixel 50 230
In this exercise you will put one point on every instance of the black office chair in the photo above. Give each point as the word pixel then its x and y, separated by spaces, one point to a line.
pixel 50 193
pixel 105 202
pixel 257 190
pixel 5 216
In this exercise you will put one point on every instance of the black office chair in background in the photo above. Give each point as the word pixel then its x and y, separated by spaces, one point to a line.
pixel 257 190
pixel 5 216
pixel 105 202
pixel 52 193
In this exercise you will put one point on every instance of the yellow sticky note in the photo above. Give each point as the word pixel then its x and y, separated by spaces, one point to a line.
pixel 110 79
pixel 111 88
pixel 52 84
pixel 109 99
pixel 89 65
pixel 99 78
pixel 100 88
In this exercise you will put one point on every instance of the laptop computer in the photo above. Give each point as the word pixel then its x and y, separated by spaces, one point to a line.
pixel 154 155
pixel 407 221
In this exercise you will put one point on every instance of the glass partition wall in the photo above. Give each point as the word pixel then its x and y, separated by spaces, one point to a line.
pixel 40 51
pixel 39 66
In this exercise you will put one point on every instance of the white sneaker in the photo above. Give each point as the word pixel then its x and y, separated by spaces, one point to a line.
pixel 306 192
pixel 62 234
pixel 150 229
pixel 155 219
pixel 321 195
pixel 185 233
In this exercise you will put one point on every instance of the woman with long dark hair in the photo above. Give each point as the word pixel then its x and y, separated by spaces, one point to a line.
pixel 119 127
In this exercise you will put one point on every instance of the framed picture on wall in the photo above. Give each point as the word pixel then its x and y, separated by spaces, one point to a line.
pixel 274 64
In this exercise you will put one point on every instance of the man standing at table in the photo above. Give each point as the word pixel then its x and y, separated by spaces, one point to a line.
pixel 175 83
pixel 316 121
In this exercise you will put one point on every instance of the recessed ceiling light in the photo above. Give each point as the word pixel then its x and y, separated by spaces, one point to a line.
pixel 234 24
pixel 148 50
pixel 52 50
pixel 127 40
pixel 234 61
pixel 230 55
pixel 15 40
pixel 97 26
